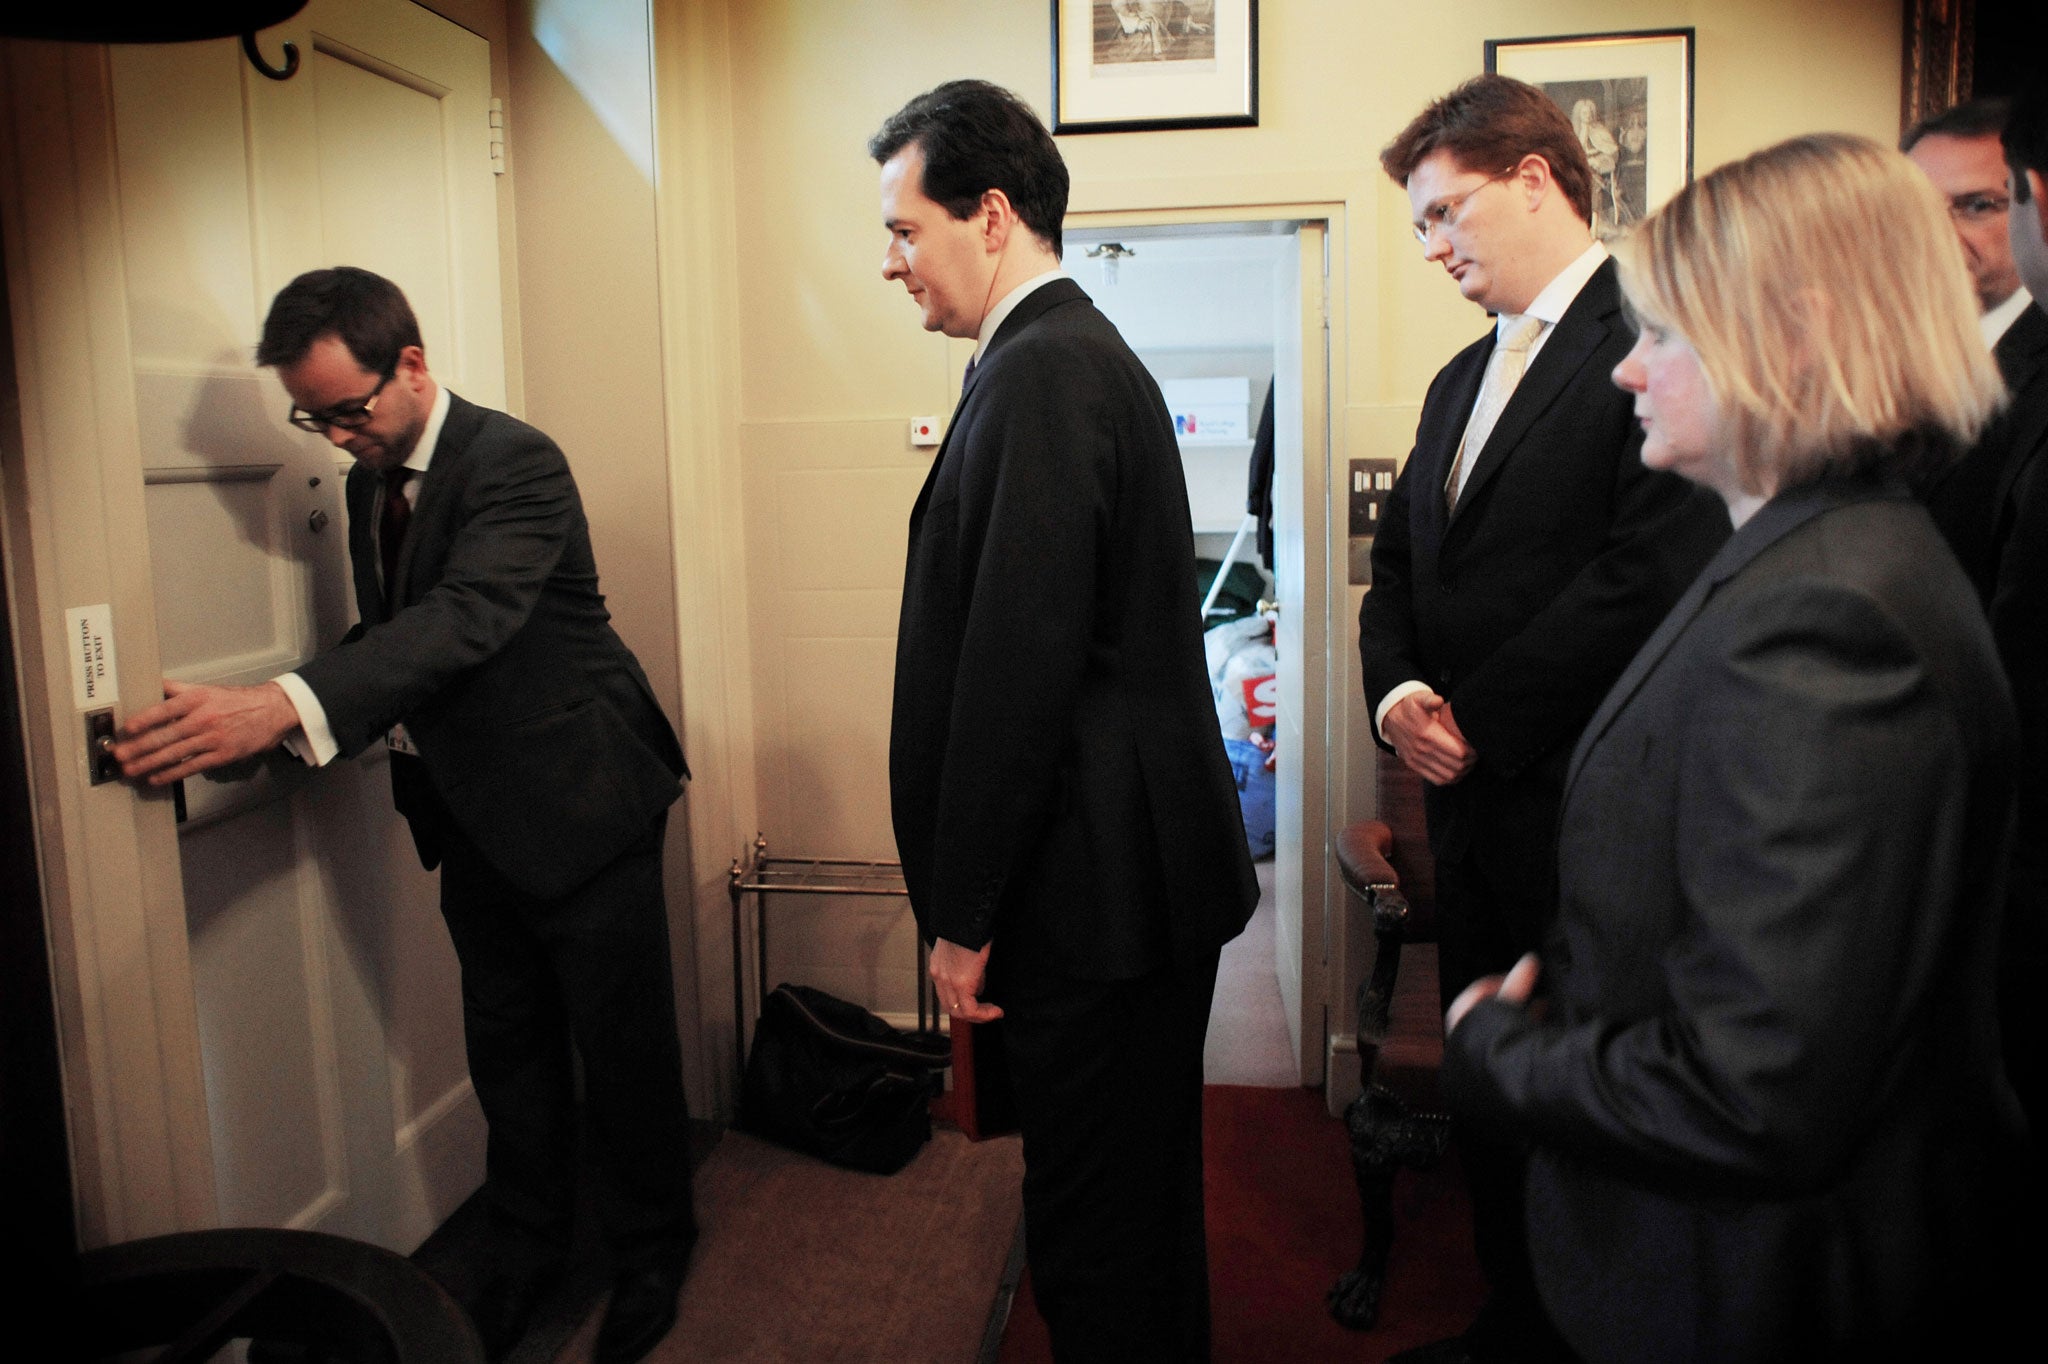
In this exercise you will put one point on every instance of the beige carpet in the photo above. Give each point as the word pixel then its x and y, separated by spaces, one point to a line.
pixel 1248 1042
pixel 803 1262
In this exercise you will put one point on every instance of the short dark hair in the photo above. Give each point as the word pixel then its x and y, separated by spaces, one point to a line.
pixel 367 311
pixel 976 137
pixel 1490 122
pixel 2026 141
pixel 1971 118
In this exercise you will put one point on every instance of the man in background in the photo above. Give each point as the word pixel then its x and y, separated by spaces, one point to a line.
pixel 535 768
pixel 1960 154
pixel 2019 625
pixel 1959 151
pixel 1524 555
pixel 1065 814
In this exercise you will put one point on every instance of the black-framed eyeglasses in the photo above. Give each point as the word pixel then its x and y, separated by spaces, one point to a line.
pixel 1977 208
pixel 348 416
pixel 1444 212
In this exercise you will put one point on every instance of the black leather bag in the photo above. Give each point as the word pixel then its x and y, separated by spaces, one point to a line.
pixel 830 1079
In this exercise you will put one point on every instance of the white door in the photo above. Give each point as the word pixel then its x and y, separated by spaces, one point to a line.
pixel 324 990
pixel 1301 577
pixel 1168 319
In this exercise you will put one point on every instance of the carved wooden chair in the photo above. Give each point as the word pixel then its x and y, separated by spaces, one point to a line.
pixel 1395 1121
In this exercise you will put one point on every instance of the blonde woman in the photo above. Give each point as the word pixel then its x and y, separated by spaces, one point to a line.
pixel 1763 1090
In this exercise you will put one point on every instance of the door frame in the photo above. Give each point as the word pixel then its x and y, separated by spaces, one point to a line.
pixel 113 903
pixel 1322 772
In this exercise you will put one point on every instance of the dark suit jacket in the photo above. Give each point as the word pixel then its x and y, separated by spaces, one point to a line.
pixel 537 732
pixel 2019 624
pixel 1563 554
pixel 1971 499
pixel 1056 772
pixel 1767 1093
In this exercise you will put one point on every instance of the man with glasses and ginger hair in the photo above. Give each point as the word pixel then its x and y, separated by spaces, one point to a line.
pixel 535 767
pixel 1524 555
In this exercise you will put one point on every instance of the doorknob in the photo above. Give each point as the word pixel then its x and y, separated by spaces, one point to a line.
pixel 316 520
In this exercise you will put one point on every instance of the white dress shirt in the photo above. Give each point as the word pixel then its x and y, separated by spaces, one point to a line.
pixel 313 741
pixel 1549 307
pixel 1006 305
pixel 1997 321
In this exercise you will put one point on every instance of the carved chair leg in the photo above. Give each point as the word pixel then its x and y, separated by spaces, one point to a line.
pixel 1384 1137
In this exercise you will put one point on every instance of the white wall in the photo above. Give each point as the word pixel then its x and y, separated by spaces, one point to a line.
pixel 1196 307
pixel 584 336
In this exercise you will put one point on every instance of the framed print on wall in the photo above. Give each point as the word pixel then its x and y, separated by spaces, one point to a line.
pixel 1132 66
pixel 1629 97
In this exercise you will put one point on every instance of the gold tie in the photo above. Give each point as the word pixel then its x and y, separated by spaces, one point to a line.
pixel 1503 371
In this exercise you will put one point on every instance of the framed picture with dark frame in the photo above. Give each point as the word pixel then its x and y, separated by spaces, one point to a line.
pixel 1629 98
pixel 1134 66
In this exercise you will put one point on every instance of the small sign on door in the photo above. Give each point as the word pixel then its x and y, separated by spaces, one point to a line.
pixel 89 631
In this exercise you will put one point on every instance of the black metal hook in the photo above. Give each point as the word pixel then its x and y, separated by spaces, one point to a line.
pixel 284 73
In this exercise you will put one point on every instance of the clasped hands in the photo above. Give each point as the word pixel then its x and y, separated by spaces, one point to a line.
pixel 198 727
pixel 1426 737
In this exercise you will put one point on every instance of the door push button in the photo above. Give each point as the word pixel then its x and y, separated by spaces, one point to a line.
pixel 99 741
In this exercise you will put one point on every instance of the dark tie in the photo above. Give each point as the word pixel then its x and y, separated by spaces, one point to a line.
pixel 391 524
pixel 968 377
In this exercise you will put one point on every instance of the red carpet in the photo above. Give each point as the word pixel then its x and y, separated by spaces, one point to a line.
pixel 1283 1224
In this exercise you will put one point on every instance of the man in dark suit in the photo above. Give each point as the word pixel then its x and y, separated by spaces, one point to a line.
pixel 1524 555
pixel 534 766
pixel 2019 625
pixel 1959 153
pixel 1995 532
pixel 1065 814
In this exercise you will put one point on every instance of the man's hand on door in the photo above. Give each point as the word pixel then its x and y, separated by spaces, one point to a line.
pixel 198 727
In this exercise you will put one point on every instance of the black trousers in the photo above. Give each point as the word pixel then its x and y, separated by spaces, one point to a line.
pixel 589 969
pixel 1494 904
pixel 1108 1083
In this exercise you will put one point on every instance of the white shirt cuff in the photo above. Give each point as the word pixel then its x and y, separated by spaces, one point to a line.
pixel 1387 703
pixel 312 743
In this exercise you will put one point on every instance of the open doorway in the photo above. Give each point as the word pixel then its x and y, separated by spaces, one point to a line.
pixel 1216 313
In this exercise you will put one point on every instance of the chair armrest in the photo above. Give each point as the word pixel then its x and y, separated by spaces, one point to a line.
pixel 1362 852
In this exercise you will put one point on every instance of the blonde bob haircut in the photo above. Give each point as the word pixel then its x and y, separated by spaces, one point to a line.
pixel 1824 290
